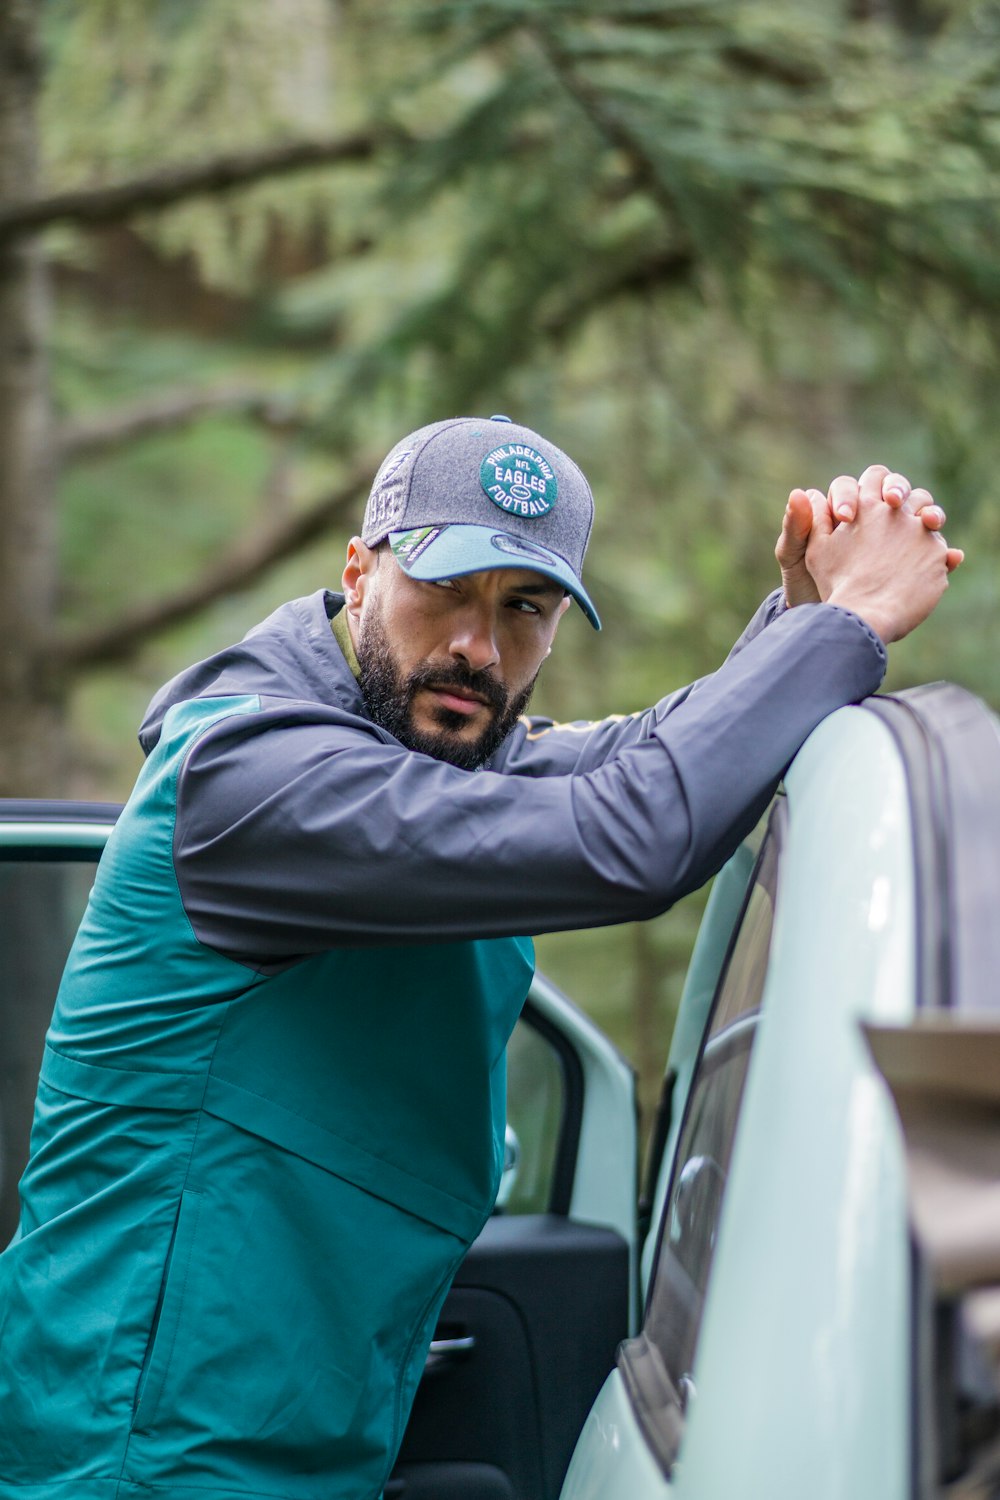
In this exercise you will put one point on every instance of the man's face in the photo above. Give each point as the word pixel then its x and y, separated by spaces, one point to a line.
pixel 448 667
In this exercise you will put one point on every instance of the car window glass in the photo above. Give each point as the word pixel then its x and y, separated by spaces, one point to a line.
pixel 693 1208
pixel 657 1367
pixel 535 1107
pixel 694 1202
pixel 41 904
pixel 743 980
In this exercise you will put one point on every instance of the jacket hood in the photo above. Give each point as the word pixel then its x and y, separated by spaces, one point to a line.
pixel 293 654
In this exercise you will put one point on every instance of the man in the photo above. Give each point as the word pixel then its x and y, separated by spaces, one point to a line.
pixel 271 1110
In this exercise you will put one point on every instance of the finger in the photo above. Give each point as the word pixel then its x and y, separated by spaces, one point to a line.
pixel 799 514
pixel 843 497
pixel 796 524
pixel 790 551
pixel 870 484
pixel 923 504
pixel 822 519
pixel 953 556
pixel 896 489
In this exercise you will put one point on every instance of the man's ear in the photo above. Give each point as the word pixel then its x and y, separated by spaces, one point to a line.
pixel 561 608
pixel 564 604
pixel 359 570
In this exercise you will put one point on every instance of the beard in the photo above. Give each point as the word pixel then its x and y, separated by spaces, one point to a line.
pixel 389 695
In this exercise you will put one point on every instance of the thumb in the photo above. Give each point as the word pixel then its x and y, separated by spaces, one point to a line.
pixel 796 526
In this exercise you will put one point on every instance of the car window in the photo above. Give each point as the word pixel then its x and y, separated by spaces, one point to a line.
pixel 659 1366
pixel 695 1202
pixel 536 1107
pixel 41 903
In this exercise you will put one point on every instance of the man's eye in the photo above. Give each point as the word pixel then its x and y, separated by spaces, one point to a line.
pixel 526 606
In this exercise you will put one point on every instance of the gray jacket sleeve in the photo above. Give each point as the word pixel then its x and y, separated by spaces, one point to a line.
pixel 544 747
pixel 296 834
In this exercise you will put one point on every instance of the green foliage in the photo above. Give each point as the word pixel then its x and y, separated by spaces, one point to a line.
pixel 136 84
pixel 713 248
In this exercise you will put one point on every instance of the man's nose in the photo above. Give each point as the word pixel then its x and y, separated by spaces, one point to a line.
pixel 474 641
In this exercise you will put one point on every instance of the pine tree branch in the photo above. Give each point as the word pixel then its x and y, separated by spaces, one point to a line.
pixel 659 268
pixel 608 123
pixel 793 73
pixel 90 437
pixel 159 190
pixel 605 121
pixel 241 566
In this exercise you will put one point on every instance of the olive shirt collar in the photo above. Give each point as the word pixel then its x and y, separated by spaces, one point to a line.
pixel 342 631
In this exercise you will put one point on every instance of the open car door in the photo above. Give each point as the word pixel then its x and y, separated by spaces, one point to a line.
pixel 546 1293
pixel 530 1328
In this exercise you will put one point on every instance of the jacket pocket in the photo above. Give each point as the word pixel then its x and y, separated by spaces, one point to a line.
pixel 166 1316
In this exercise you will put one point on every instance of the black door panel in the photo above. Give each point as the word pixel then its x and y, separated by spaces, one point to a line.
pixel 449 1482
pixel 544 1302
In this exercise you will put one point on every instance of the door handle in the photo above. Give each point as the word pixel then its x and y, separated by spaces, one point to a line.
pixel 445 1352
pixel 448 1348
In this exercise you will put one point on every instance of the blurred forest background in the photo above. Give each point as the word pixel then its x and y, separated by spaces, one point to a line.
pixel 713 248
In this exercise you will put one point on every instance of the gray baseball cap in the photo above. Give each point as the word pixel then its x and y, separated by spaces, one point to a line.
pixel 473 493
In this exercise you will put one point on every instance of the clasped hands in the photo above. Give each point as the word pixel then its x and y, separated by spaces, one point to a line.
pixel 872 545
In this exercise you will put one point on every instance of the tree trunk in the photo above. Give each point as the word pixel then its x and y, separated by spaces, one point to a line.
pixel 31 708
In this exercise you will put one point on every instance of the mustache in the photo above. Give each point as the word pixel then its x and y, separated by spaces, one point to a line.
pixel 455 675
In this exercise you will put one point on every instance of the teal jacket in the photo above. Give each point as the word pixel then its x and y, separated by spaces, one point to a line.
pixel 271 1108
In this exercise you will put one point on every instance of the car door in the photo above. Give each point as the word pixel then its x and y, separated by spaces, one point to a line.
pixel 788 1345
pixel 633 1435
pixel 544 1296
pixel 547 1292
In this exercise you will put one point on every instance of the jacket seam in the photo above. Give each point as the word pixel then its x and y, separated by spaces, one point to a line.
pixel 180 1196
pixel 336 1136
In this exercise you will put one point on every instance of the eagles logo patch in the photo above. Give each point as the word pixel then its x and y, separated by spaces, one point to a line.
pixel 519 480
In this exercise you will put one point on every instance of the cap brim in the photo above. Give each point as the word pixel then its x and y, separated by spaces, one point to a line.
pixel 431 553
